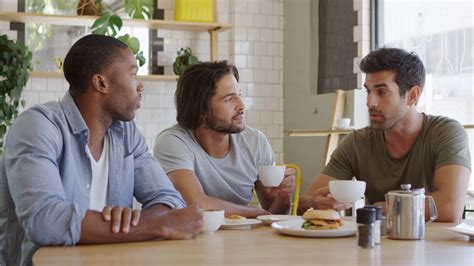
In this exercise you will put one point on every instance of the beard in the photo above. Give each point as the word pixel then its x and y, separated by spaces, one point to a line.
pixel 224 126
pixel 387 122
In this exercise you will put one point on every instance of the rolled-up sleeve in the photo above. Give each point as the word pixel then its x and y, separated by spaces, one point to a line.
pixel 151 185
pixel 32 147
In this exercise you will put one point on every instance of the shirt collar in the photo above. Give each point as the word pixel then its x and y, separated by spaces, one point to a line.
pixel 73 116
pixel 75 119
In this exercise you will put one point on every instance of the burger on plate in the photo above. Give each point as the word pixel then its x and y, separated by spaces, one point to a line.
pixel 321 219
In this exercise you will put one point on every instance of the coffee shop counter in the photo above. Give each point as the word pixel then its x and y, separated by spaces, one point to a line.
pixel 265 246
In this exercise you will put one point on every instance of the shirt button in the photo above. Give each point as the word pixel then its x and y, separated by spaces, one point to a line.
pixel 88 186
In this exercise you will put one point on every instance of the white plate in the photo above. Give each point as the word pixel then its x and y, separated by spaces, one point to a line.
pixel 466 227
pixel 344 128
pixel 293 228
pixel 269 219
pixel 242 224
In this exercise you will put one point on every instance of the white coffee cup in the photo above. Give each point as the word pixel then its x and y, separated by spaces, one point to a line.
pixel 271 175
pixel 211 221
pixel 343 122
pixel 347 190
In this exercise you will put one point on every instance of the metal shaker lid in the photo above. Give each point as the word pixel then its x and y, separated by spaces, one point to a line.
pixel 406 190
pixel 378 211
pixel 365 215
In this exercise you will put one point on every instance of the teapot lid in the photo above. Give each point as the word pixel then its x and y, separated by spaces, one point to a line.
pixel 406 190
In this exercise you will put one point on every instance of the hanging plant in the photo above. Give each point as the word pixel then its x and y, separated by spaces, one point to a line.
pixel 110 24
pixel 15 65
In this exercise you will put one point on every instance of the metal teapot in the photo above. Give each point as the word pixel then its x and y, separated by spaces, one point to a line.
pixel 406 213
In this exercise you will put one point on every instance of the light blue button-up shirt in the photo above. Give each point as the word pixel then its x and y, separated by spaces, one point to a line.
pixel 45 178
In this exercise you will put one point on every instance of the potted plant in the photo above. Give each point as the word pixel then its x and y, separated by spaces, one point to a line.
pixel 184 59
pixel 15 65
pixel 90 8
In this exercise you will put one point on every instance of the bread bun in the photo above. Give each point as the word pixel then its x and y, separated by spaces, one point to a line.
pixel 328 214
pixel 234 218
pixel 321 219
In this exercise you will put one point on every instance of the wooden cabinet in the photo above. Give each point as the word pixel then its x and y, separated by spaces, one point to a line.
pixel 86 21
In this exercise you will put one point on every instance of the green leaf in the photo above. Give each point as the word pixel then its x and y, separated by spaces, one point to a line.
pixel 107 24
pixel 134 44
pixel 306 224
pixel 124 38
pixel 141 59
pixel 101 24
pixel 3 130
pixel 139 9
pixel 15 64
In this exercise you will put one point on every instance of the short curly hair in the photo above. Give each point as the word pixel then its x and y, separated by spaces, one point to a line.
pixel 91 54
pixel 408 67
pixel 195 88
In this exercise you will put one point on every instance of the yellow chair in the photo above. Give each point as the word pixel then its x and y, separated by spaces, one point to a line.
pixel 298 182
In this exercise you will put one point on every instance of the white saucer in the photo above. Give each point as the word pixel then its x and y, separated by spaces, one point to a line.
pixel 344 128
pixel 466 227
pixel 269 219
pixel 243 224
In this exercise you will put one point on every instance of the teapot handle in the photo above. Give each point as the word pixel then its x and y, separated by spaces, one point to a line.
pixel 433 210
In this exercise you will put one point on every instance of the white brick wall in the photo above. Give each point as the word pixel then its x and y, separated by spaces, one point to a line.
pixel 254 44
pixel 257 38
pixel 361 35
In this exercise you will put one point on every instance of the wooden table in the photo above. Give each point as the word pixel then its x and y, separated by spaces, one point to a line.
pixel 264 246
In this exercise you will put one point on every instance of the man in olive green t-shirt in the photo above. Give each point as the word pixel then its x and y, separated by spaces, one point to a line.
pixel 401 146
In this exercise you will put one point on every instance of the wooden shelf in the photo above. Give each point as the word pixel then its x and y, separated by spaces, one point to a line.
pixel 40 74
pixel 87 21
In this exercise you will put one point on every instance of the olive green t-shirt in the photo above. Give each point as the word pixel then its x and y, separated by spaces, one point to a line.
pixel 363 155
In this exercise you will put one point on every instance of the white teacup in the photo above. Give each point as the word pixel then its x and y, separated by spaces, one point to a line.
pixel 347 190
pixel 343 122
pixel 211 221
pixel 271 175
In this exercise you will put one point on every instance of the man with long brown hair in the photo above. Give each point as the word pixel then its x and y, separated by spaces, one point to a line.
pixel 210 155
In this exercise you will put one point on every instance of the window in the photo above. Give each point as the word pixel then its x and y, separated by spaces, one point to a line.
pixel 50 43
pixel 441 32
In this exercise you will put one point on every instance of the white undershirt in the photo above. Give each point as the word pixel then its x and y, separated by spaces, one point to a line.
pixel 100 176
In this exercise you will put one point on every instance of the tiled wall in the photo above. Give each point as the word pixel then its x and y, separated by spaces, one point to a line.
pixel 254 44
pixel 361 35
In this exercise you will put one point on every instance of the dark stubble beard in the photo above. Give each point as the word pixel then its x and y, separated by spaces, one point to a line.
pixel 223 126
pixel 390 123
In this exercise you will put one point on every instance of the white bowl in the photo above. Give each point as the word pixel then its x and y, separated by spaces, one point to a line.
pixel 271 175
pixel 347 190
pixel 211 221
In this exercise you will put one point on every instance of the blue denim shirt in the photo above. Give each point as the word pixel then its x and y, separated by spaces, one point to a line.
pixel 45 177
